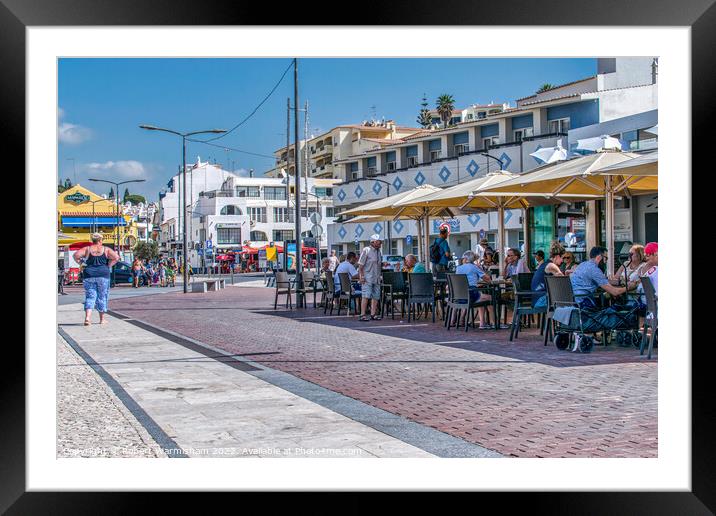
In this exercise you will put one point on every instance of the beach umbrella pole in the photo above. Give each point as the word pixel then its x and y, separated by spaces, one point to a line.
pixel 418 223
pixel 501 235
pixel 609 213
pixel 427 240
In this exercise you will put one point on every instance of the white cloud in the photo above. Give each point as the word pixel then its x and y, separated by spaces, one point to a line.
pixel 60 113
pixel 73 134
pixel 128 169
pixel 242 172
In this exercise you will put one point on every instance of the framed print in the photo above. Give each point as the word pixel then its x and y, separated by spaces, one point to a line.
pixel 262 287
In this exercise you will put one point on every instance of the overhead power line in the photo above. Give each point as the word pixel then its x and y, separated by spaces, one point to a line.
pixel 207 142
pixel 253 112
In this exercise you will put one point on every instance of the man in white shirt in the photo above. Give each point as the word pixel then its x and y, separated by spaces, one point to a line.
pixel 347 266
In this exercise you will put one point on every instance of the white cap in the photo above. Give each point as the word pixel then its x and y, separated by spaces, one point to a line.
pixel 375 237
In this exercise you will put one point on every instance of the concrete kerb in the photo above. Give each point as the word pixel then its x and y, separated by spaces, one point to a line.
pixel 154 430
pixel 428 439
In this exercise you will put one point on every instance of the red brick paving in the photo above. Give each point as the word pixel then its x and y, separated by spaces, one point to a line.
pixel 520 399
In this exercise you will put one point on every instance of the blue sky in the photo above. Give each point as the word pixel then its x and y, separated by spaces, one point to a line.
pixel 103 101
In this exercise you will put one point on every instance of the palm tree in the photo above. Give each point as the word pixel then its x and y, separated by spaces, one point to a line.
pixel 546 86
pixel 424 118
pixel 445 105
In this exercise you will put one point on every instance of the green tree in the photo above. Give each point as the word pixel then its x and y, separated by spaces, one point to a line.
pixel 146 251
pixel 546 86
pixel 111 193
pixel 134 199
pixel 60 188
pixel 445 104
pixel 424 117
pixel 68 184
pixel 126 194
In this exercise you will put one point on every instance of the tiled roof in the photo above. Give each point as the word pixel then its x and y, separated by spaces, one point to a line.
pixel 90 214
pixel 559 86
pixel 554 98
pixel 385 140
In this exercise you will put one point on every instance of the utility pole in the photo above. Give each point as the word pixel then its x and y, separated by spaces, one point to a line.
pixel 306 162
pixel 297 181
pixel 288 178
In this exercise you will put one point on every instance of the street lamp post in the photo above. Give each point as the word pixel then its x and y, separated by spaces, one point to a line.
pixel 318 245
pixel 185 251
pixel 116 185
pixel 389 235
pixel 94 218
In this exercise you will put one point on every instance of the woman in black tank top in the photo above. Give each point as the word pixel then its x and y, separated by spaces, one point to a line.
pixel 96 276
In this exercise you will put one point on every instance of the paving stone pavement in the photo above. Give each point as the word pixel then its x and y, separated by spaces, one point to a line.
pixel 520 399
pixel 209 409
pixel 91 421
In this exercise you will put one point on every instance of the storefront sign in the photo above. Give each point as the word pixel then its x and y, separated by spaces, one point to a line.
pixel 77 198
pixel 454 225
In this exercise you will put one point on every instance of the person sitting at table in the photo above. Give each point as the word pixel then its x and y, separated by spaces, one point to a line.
pixel 568 263
pixel 633 269
pixel 539 257
pixel 413 265
pixel 347 266
pixel 474 275
pixel 589 276
pixel 651 269
pixel 514 264
pixel 550 266
pixel 326 265
pixel 487 261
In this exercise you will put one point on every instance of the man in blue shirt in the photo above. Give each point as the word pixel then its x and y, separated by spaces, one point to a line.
pixel 589 276
pixel 474 275
pixel 442 244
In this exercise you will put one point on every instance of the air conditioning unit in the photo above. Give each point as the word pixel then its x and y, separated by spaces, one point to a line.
pixel 412 161
pixel 390 165
pixel 372 171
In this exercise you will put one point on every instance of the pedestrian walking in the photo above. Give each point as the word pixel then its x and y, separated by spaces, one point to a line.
pixel 98 261
pixel 334 261
pixel 440 252
pixel 136 272
pixel 61 277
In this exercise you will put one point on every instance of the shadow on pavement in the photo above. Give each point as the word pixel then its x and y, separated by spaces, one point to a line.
pixel 528 347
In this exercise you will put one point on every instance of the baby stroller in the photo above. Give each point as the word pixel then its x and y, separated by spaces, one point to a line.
pixel 575 321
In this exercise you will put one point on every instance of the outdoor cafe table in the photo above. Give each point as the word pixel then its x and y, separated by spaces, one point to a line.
pixel 495 288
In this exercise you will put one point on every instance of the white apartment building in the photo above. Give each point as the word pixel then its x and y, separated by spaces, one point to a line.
pixel 621 99
pixel 344 140
pixel 234 211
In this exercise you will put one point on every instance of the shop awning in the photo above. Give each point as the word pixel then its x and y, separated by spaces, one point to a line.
pixel 85 222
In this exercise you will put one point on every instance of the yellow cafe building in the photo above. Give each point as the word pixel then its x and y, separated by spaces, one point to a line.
pixel 81 212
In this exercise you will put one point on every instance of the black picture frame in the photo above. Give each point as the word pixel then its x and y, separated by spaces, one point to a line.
pixel 699 15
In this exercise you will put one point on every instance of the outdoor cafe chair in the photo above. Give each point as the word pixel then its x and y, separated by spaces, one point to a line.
pixel 651 319
pixel 283 286
pixel 459 300
pixel 309 285
pixel 421 291
pixel 441 285
pixel 559 293
pixel 346 293
pixel 393 289
pixel 328 294
pixel 522 288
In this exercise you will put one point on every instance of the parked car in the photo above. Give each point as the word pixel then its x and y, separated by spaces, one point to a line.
pixel 392 262
pixel 122 274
